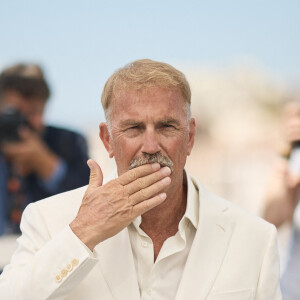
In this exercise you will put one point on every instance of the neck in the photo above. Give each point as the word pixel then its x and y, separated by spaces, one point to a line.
pixel 162 221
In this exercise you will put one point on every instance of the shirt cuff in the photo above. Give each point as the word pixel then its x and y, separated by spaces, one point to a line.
pixel 58 174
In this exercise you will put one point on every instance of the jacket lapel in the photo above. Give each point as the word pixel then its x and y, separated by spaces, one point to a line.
pixel 210 244
pixel 204 262
pixel 117 266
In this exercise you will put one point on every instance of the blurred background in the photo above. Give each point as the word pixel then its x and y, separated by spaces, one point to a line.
pixel 240 57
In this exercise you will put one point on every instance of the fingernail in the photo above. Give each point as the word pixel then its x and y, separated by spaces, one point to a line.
pixel 166 180
pixel 166 171
pixel 163 196
pixel 155 166
pixel 89 163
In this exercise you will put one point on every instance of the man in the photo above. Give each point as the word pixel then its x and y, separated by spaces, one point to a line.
pixel 36 161
pixel 151 231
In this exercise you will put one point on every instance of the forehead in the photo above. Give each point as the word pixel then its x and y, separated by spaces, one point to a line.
pixel 14 99
pixel 155 100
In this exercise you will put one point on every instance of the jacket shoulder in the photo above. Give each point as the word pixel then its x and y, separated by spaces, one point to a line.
pixel 54 131
pixel 242 217
pixel 57 211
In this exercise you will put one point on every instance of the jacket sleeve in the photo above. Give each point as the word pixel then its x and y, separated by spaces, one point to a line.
pixel 44 267
pixel 268 287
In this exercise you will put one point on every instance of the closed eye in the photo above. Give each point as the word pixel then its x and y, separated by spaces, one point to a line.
pixel 168 126
pixel 133 127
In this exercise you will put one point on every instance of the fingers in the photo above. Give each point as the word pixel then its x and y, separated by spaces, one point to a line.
pixel 96 176
pixel 26 133
pixel 150 191
pixel 144 182
pixel 138 172
pixel 12 150
pixel 145 206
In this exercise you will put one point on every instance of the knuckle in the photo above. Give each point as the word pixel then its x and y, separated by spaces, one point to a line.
pixel 117 181
pixel 141 183
pixel 92 176
pixel 143 193
pixel 116 185
pixel 125 192
pixel 146 206
pixel 132 175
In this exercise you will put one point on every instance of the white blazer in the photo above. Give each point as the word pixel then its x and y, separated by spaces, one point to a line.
pixel 233 257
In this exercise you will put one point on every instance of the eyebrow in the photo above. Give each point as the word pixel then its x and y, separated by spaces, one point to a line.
pixel 169 121
pixel 130 123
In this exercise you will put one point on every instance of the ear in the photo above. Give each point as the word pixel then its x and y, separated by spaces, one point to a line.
pixel 106 139
pixel 191 135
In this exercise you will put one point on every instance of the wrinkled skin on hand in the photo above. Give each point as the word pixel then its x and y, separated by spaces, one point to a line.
pixel 107 209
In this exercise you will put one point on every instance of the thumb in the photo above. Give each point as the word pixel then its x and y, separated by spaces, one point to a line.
pixel 96 176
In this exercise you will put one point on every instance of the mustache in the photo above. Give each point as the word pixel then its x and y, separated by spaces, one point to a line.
pixel 150 159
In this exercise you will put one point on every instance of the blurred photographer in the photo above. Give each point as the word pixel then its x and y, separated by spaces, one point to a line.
pixel 282 199
pixel 36 161
pixel 282 192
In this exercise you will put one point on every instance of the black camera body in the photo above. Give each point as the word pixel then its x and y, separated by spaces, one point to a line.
pixel 11 120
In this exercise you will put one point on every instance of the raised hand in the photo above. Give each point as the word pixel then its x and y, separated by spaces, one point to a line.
pixel 107 209
pixel 30 155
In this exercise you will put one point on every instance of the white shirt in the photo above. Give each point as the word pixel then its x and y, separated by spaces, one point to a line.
pixel 161 279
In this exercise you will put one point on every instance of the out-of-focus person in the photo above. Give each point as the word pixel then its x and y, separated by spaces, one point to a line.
pixel 36 160
pixel 282 197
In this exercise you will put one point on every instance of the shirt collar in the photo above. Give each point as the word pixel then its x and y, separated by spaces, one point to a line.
pixel 192 207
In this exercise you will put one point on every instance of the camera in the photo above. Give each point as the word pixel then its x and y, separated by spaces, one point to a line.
pixel 11 120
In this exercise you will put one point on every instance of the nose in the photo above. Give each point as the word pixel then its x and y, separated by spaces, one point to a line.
pixel 151 142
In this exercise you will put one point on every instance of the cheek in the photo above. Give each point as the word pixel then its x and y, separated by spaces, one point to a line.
pixel 124 150
pixel 178 150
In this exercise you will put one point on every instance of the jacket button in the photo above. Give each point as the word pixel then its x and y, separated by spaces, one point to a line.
pixel 69 267
pixel 58 278
pixel 75 262
pixel 64 273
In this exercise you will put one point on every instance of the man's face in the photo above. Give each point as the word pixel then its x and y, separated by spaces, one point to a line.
pixel 146 123
pixel 31 109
